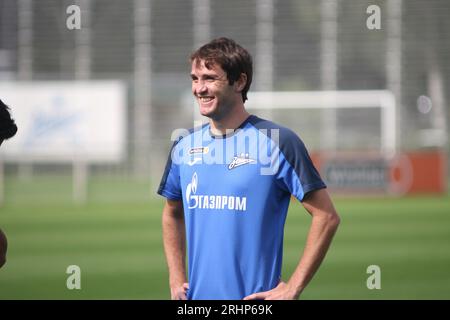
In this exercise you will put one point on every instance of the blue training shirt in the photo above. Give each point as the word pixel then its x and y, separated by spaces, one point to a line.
pixel 236 190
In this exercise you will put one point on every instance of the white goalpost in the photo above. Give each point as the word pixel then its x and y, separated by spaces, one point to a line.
pixel 382 99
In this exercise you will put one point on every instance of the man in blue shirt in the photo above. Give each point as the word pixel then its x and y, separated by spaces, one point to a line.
pixel 228 185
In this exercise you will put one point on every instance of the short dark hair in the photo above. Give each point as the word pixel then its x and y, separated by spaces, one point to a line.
pixel 230 56
pixel 7 126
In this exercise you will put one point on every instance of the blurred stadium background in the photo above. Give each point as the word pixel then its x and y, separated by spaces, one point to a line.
pixel 86 196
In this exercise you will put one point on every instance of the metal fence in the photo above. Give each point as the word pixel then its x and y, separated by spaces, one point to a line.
pixel 296 44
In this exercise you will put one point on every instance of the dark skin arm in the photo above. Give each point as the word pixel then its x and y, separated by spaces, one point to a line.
pixel 3 248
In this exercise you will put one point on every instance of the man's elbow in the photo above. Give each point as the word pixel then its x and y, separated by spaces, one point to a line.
pixel 333 220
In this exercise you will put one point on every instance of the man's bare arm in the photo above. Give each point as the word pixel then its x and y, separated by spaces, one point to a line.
pixel 325 221
pixel 174 237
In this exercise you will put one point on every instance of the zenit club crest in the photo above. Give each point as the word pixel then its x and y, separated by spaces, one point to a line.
pixel 240 161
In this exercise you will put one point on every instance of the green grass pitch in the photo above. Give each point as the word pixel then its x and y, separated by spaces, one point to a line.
pixel 116 241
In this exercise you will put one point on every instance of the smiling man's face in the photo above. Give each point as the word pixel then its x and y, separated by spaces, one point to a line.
pixel 215 96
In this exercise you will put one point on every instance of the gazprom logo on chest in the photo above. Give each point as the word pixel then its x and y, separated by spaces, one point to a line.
pixel 217 202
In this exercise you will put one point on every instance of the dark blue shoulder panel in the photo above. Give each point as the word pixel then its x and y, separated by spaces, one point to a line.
pixel 295 153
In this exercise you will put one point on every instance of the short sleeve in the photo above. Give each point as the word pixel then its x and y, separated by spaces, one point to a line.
pixel 170 186
pixel 297 173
